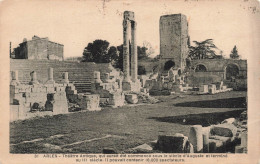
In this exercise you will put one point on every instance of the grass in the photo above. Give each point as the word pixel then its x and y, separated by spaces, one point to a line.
pixel 134 125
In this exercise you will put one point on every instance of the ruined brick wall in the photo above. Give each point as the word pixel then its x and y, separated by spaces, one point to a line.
pixel 37 48
pixel 218 66
pixel 174 39
pixel 54 51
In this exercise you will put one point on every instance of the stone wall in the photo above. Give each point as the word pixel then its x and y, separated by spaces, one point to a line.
pixel 174 39
pixel 39 48
pixel 34 100
pixel 218 66
pixel 55 51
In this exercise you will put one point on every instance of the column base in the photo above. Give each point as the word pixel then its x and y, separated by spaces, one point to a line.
pixel 14 82
pixel 65 81
pixel 131 86
pixel 33 82
pixel 50 82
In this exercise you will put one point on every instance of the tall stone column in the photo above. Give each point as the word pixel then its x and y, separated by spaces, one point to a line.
pixel 126 64
pixel 134 63
pixel 50 76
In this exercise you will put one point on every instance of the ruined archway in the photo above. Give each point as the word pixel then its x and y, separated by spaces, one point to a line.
pixel 169 64
pixel 231 70
pixel 200 68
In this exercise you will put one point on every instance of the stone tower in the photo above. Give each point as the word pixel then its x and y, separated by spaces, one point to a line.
pixel 174 40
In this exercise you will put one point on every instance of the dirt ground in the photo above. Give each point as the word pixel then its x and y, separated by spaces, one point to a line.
pixel 124 127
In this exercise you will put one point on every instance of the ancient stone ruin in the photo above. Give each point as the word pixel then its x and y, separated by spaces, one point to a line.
pixel 228 137
pixel 130 81
pixel 43 87
pixel 49 98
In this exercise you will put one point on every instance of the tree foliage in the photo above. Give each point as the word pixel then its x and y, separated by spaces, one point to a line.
pixel 141 70
pixel 203 50
pixel 234 53
pixel 100 52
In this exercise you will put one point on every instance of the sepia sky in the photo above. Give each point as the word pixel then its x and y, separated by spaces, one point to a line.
pixel 78 22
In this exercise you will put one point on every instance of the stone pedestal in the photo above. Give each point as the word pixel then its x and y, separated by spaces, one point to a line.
pixel 33 78
pixel 116 99
pixel 204 89
pixel 90 102
pixel 65 77
pixel 15 80
pixel 131 86
pixel 212 89
pixel 97 77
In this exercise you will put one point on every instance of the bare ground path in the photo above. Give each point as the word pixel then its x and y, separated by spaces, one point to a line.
pixel 123 127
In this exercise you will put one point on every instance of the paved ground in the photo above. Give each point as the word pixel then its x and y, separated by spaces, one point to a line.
pixel 124 127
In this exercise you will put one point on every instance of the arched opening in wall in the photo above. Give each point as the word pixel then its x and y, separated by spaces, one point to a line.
pixel 231 70
pixel 200 68
pixel 169 64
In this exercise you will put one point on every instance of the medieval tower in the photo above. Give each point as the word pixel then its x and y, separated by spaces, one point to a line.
pixel 174 40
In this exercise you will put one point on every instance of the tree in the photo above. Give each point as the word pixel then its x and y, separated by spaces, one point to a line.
pixel 96 52
pixel 141 70
pixel 203 50
pixel 111 56
pixel 141 52
pixel 234 54
pixel 149 48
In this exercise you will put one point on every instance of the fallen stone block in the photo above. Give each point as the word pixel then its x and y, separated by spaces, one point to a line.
pixel 244 139
pixel 196 138
pixel 173 144
pixel 228 121
pixel 60 104
pixel 109 151
pixel 240 149
pixel 205 136
pixel 116 99
pixel 216 146
pixel 131 98
pixel 226 130
pixel 153 144
pixel 143 148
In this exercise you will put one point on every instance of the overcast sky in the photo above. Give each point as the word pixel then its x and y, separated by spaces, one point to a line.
pixel 76 23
